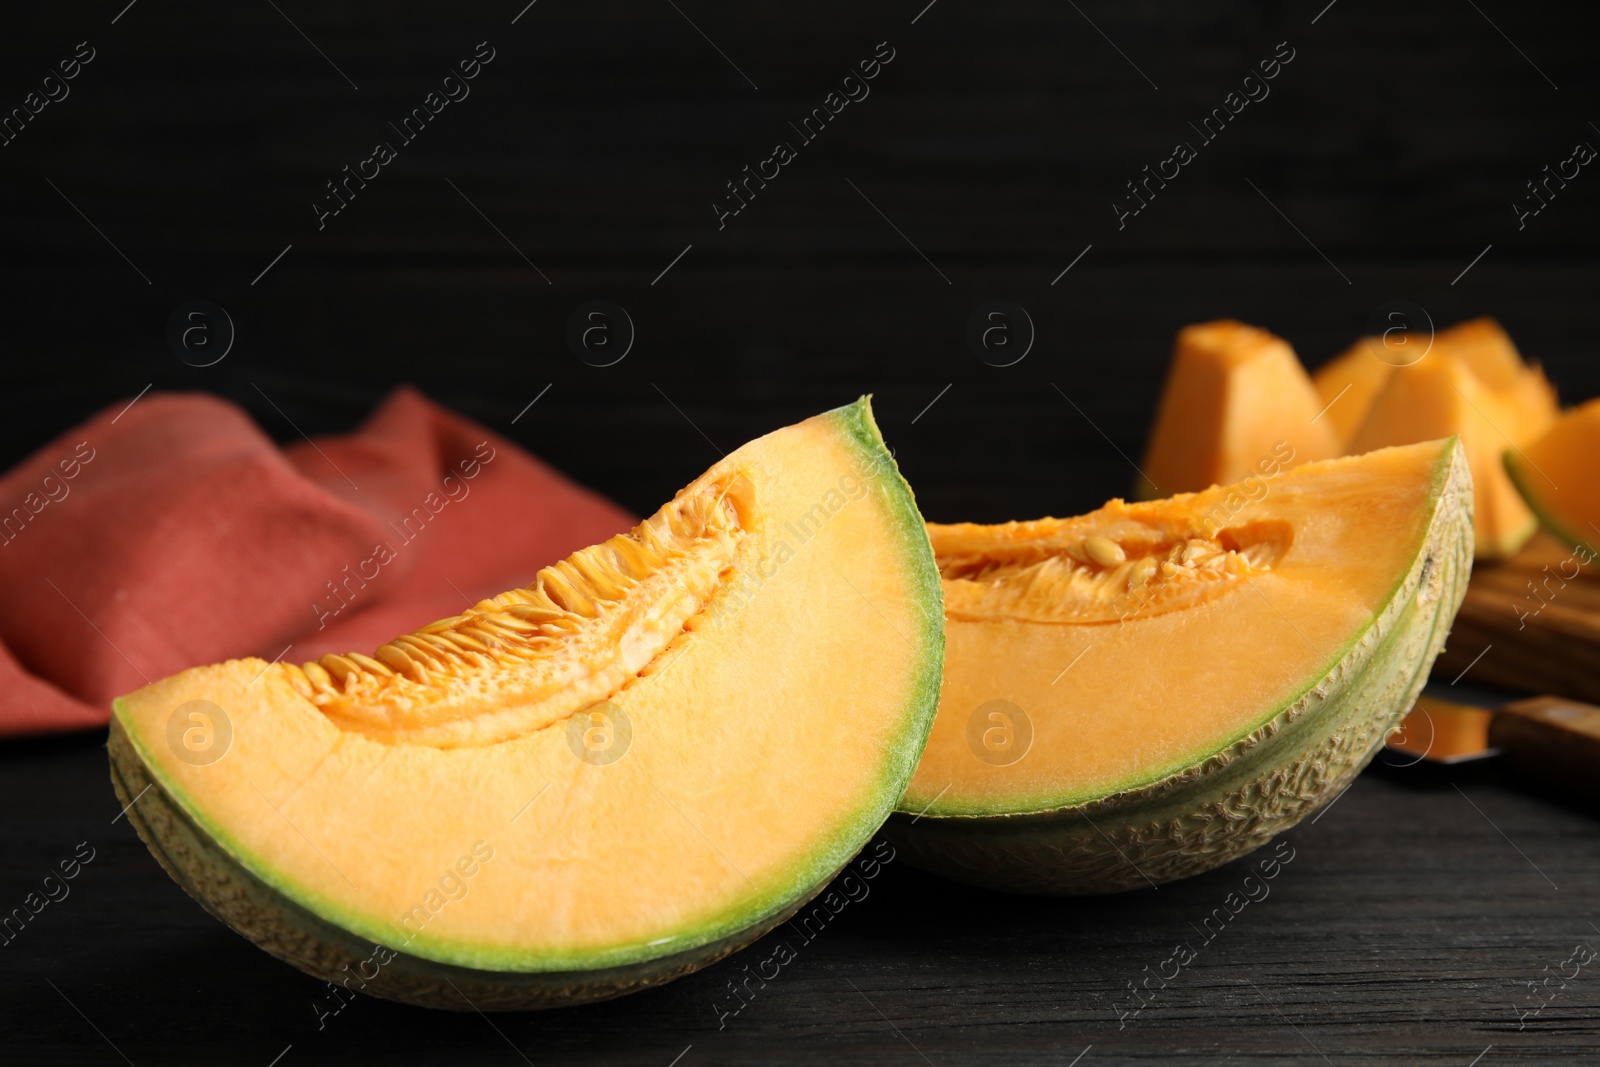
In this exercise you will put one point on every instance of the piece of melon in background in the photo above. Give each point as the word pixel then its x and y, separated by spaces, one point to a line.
pixel 1441 397
pixel 1143 693
pixel 1488 352
pixel 1352 380
pixel 1349 383
pixel 646 759
pixel 1235 398
pixel 1556 474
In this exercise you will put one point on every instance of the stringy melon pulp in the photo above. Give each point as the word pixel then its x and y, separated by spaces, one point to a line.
pixel 1139 640
pixel 773 639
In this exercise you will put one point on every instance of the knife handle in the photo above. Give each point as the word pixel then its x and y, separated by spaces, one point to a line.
pixel 1553 743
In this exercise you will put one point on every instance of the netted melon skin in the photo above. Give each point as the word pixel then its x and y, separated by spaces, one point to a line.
pixel 298 937
pixel 1245 795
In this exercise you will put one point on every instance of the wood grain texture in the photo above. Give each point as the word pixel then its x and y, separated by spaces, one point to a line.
pixel 1553 744
pixel 1393 145
pixel 1398 933
pixel 1530 624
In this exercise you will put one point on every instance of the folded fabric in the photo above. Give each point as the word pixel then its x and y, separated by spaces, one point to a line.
pixel 176 533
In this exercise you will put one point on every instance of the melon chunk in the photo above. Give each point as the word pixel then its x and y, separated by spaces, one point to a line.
pixel 1235 397
pixel 1352 380
pixel 1356 377
pixel 1487 351
pixel 648 757
pixel 1556 475
pixel 1144 692
pixel 1440 397
pixel 1467 380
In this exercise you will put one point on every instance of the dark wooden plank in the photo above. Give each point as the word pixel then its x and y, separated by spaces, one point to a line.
pixel 1399 932
pixel 1530 623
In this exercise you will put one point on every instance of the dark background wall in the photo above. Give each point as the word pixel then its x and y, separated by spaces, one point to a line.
pixel 596 141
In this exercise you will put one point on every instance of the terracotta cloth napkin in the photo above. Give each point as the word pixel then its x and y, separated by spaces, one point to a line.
pixel 176 533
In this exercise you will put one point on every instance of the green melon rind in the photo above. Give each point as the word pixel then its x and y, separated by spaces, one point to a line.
pixel 1541 508
pixel 319 936
pixel 298 936
pixel 1057 800
pixel 1260 785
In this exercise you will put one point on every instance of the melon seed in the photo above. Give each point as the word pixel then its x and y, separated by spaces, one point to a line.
pixel 317 675
pixel 533 612
pixel 395 658
pixel 1142 572
pixel 341 669
pixel 1104 551
pixel 368 664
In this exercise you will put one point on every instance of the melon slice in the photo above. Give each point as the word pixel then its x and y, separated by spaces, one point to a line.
pixel 1480 345
pixel 1470 381
pixel 1442 397
pixel 1236 402
pixel 1142 693
pixel 650 756
pixel 1486 350
pixel 1351 381
pixel 1556 475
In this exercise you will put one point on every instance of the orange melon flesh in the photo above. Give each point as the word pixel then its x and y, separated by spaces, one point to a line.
pixel 1258 594
pixel 1443 730
pixel 1487 351
pixel 1475 385
pixel 772 636
pixel 1351 381
pixel 1441 397
pixel 1236 399
pixel 1480 345
pixel 1556 475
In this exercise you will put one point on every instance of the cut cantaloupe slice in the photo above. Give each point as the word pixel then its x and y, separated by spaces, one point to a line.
pixel 1556 476
pixel 1488 352
pixel 1144 692
pixel 1441 397
pixel 648 757
pixel 1236 402
pixel 1350 383
pixel 1467 380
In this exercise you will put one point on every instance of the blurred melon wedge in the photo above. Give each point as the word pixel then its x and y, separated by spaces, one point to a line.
pixel 1349 384
pixel 1556 475
pixel 1439 397
pixel 1235 399
pixel 1468 380
pixel 1352 380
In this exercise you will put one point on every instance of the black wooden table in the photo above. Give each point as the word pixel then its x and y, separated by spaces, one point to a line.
pixel 1412 923
pixel 190 161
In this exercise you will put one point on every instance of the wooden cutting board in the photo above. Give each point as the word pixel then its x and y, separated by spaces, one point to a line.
pixel 1530 623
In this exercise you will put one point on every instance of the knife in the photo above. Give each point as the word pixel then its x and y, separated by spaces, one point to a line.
pixel 1547 743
